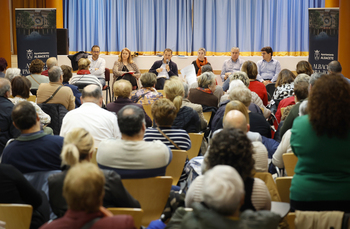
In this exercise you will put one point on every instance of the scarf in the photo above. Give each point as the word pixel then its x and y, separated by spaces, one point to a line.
pixel 206 90
pixel 200 64
pixel 83 72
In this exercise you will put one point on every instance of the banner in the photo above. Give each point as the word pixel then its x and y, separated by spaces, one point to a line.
pixel 36 36
pixel 323 37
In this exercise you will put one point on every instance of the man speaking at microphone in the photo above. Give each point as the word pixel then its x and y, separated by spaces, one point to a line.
pixel 164 69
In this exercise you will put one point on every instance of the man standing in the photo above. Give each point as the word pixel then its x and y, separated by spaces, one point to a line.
pixel 231 65
pixel 52 61
pixel 164 69
pixel 97 65
pixel 7 129
pixel 268 68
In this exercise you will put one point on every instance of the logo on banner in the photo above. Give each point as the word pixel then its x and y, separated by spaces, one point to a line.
pixel 317 54
pixel 29 54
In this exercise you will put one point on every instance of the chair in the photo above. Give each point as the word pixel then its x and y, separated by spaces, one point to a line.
pixel 147 108
pixel 163 93
pixel 33 91
pixel 196 142
pixel 283 186
pixel 57 113
pixel 176 165
pixel 152 193
pixel 291 219
pixel 289 160
pixel 207 116
pixel 32 98
pixel 136 213
pixel 16 216
pixel 270 88
pixel 93 157
pixel 106 87
pixel 271 185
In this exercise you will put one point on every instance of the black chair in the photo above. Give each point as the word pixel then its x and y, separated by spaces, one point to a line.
pixel 57 113
pixel 106 87
pixel 270 88
pixel 33 91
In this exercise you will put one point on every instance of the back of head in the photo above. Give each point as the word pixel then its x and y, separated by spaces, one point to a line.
pixel 235 119
pixel 206 79
pixel 242 94
pixel 314 77
pixel 20 86
pixel 130 120
pixel 3 64
pixel 303 108
pixel 334 67
pixel 250 68
pixel 285 76
pixel 301 90
pixel 122 88
pixel 304 67
pixel 164 112
pixel 91 93
pixel 206 68
pixel 24 115
pixel 186 89
pixel 67 72
pixel 83 64
pixel 83 187
pixel 240 76
pixel 55 73
pixel 174 91
pixel 52 61
pixel 302 77
pixel 237 105
pixel 5 86
pixel 148 79
pixel 36 66
pixel 12 73
pixel 267 49
pixel 77 145
pixel 223 189
pixel 234 84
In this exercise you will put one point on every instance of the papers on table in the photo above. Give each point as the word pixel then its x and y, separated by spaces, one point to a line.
pixel 189 73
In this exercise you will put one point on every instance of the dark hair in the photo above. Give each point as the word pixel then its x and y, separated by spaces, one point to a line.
pixel 301 90
pixel 206 68
pixel 334 67
pixel 20 86
pixel 148 79
pixel 268 50
pixel 36 66
pixel 328 106
pixel 250 68
pixel 130 119
pixel 96 93
pixel 95 46
pixel 285 76
pixel 232 147
pixel 67 72
pixel 168 50
pixel 24 115
pixel 3 64
pixel 164 112
pixel 304 67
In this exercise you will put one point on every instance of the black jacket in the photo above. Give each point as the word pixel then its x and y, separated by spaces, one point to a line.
pixel 172 66
pixel 187 119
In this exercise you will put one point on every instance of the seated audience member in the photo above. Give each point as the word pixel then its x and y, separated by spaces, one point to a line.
pixel 54 91
pixel 35 77
pixel 164 69
pixel 284 85
pixel 83 76
pixel 67 75
pixel 3 66
pixel 147 94
pixel 223 192
pixel 164 113
pixel 196 107
pixel 12 73
pixel 16 189
pixel 334 67
pixel 83 190
pixel 78 146
pixel 33 150
pixel 100 123
pixel 125 68
pixel 321 141
pixel 255 85
pixel 7 129
pixel 200 61
pixel 97 65
pixel 186 118
pixel 50 62
pixel 203 94
pixel 122 91
pixel 135 158
pixel 232 147
pixel 304 67
pixel 231 65
pixel 20 91
pixel 268 68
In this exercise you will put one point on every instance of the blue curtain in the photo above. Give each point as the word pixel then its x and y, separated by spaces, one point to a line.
pixel 150 26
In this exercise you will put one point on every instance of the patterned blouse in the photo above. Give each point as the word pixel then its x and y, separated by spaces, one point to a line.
pixel 150 95
pixel 284 91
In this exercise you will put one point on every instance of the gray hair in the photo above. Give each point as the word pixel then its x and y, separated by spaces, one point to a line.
pixel 55 73
pixel 314 77
pixel 242 94
pixel 235 83
pixel 12 73
pixel 206 79
pixel 95 93
pixel 52 61
pixel 334 67
pixel 240 76
pixel 5 86
pixel 303 108
pixel 302 77
pixel 186 88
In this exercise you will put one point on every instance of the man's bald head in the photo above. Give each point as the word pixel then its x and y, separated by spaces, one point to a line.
pixel 52 61
pixel 5 86
pixel 92 93
pixel 334 67
pixel 236 119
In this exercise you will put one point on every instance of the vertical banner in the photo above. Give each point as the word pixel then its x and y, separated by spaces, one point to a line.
pixel 323 37
pixel 36 36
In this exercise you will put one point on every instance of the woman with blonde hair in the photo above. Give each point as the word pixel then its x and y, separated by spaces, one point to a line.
pixel 125 68
pixel 186 118
pixel 83 76
pixel 78 146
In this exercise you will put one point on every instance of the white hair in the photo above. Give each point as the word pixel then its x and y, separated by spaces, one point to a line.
pixel 235 83
pixel 12 73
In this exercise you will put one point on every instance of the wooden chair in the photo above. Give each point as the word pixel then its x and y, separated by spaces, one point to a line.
pixel 16 216
pixel 196 142
pixel 32 98
pixel 289 160
pixel 136 213
pixel 207 116
pixel 291 219
pixel 162 91
pixel 147 108
pixel 270 183
pixel 93 156
pixel 176 165
pixel 283 186
pixel 152 193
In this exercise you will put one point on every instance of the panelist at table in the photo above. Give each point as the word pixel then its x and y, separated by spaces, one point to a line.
pixel 268 68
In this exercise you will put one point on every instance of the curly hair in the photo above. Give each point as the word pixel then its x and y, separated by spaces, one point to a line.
pixel 232 147
pixel 242 76
pixel 36 66
pixel 164 112
pixel 285 76
pixel 328 107
pixel 304 67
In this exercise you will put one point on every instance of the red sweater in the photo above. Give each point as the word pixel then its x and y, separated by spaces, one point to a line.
pixel 260 89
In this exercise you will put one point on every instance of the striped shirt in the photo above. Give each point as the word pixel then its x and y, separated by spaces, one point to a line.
pixel 180 137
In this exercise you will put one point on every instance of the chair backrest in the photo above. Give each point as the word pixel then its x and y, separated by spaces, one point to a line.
pixel 39 180
pixel 289 160
pixel 161 91
pixel 283 185
pixel 136 213
pixel 57 113
pixel 270 183
pixel 152 193
pixel 196 142
pixel 207 116
pixel 291 219
pixel 33 91
pixel 107 75
pixel 176 165
pixel 270 88
pixel 147 108
pixel 32 98
pixel 16 216
pixel 93 156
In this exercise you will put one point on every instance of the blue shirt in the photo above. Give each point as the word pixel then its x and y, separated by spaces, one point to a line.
pixel 268 70
pixel 231 66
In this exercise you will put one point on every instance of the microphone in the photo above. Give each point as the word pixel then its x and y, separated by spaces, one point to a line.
pixel 167 61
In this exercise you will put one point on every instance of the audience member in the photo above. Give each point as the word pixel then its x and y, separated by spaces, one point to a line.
pixel 284 85
pixel 67 75
pixel 35 77
pixel 83 76
pixel 334 67
pixel 200 61
pixel 12 73
pixel 147 94
pixel 203 94
pixel 3 66
pixel 135 158
pixel 268 68
pixel 33 150
pixel 78 147
pixel 100 123
pixel 231 65
pixel 97 65
pixel 304 67
pixel 54 91
pixel 50 62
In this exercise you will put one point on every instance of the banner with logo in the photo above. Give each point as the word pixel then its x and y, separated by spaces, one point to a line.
pixel 323 37
pixel 36 36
